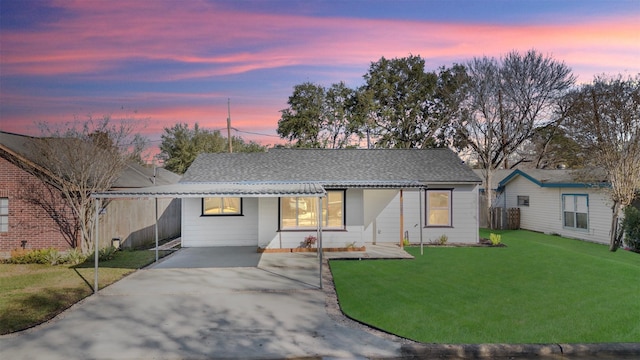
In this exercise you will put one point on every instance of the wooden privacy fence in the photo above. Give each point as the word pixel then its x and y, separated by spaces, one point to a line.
pixel 133 221
pixel 505 220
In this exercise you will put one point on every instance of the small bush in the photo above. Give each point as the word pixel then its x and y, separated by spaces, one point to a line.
pixel 631 226
pixel 54 257
pixel 442 240
pixel 405 242
pixel 74 257
pixel 309 241
pixel 496 239
pixel 107 253
pixel 37 256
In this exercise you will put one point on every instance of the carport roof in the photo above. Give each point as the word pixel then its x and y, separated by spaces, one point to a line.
pixel 218 189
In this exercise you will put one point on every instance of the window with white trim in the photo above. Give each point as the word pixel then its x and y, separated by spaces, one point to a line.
pixel 438 207
pixel 575 211
pixel 4 214
pixel 221 206
pixel 300 213
pixel 523 200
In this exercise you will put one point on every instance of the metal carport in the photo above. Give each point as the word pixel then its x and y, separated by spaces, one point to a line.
pixel 199 190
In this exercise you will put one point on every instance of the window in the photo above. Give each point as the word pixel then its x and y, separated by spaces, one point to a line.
pixel 222 206
pixel 523 200
pixel 575 209
pixel 297 213
pixel 438 207
pixel 4 214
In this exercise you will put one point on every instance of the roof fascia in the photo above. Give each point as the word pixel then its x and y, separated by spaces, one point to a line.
pixel 519 172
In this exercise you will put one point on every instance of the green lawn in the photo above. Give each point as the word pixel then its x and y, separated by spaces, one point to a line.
pixel 538 289
pixel 31 294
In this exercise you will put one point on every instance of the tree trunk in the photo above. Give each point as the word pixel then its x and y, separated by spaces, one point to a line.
pixel 489 193
pixel 614 241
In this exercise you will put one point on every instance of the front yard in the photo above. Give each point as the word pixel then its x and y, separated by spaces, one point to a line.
pixel 538 289
pixel 32 293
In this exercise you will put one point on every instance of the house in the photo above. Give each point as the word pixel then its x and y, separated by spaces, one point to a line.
pixel 272 200
pixel 570 203
pixel 24 223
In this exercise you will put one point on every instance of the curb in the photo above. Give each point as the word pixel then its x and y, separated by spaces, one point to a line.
pixel 492 351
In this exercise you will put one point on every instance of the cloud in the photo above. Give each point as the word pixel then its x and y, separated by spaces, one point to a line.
pixel 201 40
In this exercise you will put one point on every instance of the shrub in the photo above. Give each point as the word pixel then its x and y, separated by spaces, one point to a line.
pixel 442 240
pixel 37 256
pixel 496 239
pixel 631 226
pixel 309 241
pixel 74 257
pixel 54 257
pixel 107 253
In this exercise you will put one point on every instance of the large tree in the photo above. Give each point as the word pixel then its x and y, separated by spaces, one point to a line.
pixel 606 122
pixel 319 117
pixel 551 147
pixel 508 99
pixel 340 126
pixel 402 96
pixel 181 145
pixel 302 120
pixel 73 161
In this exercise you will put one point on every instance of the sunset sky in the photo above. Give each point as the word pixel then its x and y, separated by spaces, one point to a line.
pixel 166 62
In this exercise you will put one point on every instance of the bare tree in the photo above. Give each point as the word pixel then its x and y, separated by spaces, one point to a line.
pixel 606 121
pixel 507 100
pixel 78 159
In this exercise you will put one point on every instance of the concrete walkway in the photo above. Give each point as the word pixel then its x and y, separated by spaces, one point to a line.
pixel 205 303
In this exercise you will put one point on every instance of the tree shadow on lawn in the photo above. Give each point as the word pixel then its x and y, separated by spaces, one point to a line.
pixel 31 309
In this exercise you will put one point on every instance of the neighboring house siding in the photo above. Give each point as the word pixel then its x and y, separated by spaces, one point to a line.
pixel 133 221
pixel 544 213
pixel 26 222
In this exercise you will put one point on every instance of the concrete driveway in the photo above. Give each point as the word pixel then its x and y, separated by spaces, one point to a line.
pixel 205 303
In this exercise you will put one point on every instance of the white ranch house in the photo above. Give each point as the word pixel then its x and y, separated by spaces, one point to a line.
pixel 272 200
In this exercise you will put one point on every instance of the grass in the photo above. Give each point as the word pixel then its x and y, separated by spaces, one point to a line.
pixel 538 289
pixel 31 294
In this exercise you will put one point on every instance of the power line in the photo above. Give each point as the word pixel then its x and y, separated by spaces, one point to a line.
pixel 255 133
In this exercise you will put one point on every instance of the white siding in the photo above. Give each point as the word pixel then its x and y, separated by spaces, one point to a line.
pixel 372 215
pixel 544 213
pixel 198 230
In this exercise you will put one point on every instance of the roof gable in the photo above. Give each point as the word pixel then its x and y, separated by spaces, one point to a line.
pixel 559 178
pixel 331 167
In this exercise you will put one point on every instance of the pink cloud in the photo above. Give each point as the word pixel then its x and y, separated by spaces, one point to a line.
pixel 102 34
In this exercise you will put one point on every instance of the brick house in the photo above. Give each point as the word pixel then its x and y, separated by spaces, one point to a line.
pixel 26 224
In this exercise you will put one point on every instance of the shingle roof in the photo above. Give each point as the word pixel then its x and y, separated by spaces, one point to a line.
pixel 136 176
pixel 345 167
pixel 133 175
pixel 560 178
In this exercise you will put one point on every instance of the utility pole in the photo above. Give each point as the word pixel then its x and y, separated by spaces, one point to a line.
pixel 229 124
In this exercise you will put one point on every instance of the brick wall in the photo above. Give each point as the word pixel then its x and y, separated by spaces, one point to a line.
pixel 27 222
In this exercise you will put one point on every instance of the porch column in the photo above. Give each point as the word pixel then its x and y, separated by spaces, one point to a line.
pixel 156 227
pixel 319 230
pixel 401 219
pixel 421 220
pixel 96 245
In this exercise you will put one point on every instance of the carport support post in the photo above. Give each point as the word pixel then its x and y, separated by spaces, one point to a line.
pixel 421 220
pixel 96 243
pixel 319 246
pixel 156 229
